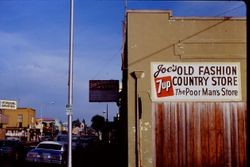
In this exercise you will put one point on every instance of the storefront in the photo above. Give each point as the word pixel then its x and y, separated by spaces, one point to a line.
pixel 184 90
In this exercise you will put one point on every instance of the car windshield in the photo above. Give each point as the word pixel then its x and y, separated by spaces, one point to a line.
pixel 65 138
pixel 62 138
pixel 8 143
pixel 75 138
pixel 50 146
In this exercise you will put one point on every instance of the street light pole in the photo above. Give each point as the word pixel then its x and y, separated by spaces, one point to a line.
pixel 69 111
pixel 107 113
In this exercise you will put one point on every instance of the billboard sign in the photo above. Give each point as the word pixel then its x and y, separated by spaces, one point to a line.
pixel 103 90
pixel 195 81
pixel 8 104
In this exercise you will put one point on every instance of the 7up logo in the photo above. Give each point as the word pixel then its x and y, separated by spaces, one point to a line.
pixel 163 86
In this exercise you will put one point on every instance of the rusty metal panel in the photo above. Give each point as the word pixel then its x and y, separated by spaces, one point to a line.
pixel 200 134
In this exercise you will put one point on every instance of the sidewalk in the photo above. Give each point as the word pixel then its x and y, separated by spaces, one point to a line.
pixel 102 154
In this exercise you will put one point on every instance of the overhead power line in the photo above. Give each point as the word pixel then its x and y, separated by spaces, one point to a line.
pixel 229 10
pixel 106 63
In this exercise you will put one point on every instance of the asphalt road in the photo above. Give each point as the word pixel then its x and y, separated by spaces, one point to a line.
pixel 99 155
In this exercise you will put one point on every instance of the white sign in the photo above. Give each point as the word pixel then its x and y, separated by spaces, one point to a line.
pixel 8 104
pixel 195 81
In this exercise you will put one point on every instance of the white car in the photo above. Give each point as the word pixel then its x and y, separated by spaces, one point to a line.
pixel 50 152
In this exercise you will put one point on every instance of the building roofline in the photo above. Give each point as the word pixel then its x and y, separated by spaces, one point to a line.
pixel 148 11
pixel 19 108
pixel 185 17
pixel 25 108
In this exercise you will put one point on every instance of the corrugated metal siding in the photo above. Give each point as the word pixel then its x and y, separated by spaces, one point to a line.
pixel 200 134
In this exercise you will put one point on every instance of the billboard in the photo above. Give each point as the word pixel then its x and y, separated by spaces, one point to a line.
pixel 103 90
pixel 8 104
pixel 195 81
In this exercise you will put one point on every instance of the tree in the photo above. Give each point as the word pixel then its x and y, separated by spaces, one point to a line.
pixel 76 123
pixel 83 121
pixel 98 122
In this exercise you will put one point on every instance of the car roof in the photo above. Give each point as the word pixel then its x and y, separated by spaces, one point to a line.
pixel 9 141
pixel 50 142
pixel 67 135
pixel 50 145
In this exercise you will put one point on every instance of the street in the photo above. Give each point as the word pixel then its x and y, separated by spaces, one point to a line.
pixel 97 156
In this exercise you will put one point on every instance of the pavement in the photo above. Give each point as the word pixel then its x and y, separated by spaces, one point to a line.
pixel 100 155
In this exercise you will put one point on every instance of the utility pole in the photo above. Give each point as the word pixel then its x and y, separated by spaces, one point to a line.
pixel 107 113
pixel 69 111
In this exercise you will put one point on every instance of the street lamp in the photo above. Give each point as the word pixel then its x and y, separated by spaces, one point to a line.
pixel 137 75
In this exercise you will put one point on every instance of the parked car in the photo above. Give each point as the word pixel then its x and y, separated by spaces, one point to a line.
pixel 48 152
pixel 46 138
pixel 11 149
pixel 63 139
pixel 87 142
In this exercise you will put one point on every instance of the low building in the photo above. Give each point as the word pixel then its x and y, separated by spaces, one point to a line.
pixel 48 127
pixel 18 123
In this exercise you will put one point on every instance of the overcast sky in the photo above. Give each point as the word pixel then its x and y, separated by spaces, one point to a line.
pixel 34 40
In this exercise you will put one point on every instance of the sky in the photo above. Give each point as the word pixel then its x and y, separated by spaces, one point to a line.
pixel 34 46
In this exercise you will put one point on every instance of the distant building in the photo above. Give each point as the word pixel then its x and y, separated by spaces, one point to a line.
pixel 65 127
pixel 48 127
pixel 19 121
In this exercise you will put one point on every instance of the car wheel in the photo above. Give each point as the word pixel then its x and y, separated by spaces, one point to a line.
pixel 16 156
pixel 64 163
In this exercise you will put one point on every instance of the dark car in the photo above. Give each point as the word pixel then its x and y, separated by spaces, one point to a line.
pixel 11 149
pixel 63 139
pixel 87 142
pixel 47 152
